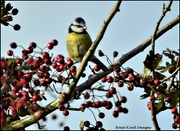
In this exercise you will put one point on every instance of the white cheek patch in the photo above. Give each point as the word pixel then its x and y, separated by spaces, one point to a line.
pixel 77 29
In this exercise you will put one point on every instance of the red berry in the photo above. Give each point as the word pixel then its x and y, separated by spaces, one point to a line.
pixel 96 68
pixel 65 112
pixel 108 95
pixel 30 60
pixel 28 75
pixel 54 42
pixel 103 79
pixel 120 83
pixel 143 82
pixel 174 110
pixel 40 74
pixel 29 50
pixel 86 95
pixel 88 104
pixel 61 67
pixel 43 82
pixel 115 114
pixel 54 64
pixel 86 123
pixel 50 45
pixel 177 119
pixel 31 90
pixel 124 75
pixel 131 77
pixel 33 44
pixel 61 107
pixel 69 62
pixel 35 97
pixel 17 27
pixel 24 93
pixel 47 60
pixel 99 124
pixel 100 53
pixel 9 52
pixel 152 98
pixel 115 54
pixel 53 116
pixel 149 105
pixel 168 99
pixel 66 128
pixel 156 82
pixel 60 58
pixel 130 87
pixel 38 59
pixel 117 69
pixel 174 126
pixel 101 115
pixel 125 110
pixel 109 105
pixel 104 103
pixel 45 54
pixel 109 79
pixel 123 99
pixel 72 69
pixel 118 103
pixel 14 11
pixel 119 109
pixel 98 104
pixel 64 95
pixel 112 90
pixel 13 45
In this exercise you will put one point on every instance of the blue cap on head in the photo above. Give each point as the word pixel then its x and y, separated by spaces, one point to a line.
pixel 80 20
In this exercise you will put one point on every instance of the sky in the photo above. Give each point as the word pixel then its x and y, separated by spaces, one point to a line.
pixel 43 21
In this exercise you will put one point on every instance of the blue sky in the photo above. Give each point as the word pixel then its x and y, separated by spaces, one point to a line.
pixel 43 21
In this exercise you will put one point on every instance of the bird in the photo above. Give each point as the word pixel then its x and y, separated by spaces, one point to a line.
pixel 78 41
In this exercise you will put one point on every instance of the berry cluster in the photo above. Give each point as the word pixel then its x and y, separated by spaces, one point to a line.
pixel 22 78
pixel 7 13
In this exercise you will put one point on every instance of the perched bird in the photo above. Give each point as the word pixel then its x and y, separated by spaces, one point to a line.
pixel 78 42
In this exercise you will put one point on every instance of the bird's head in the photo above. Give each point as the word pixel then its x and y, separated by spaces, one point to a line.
pixel 78 26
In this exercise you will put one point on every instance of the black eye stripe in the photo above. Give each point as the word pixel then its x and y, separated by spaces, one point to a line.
pixel 78 25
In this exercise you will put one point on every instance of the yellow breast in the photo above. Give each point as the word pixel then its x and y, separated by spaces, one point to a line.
pixel 77 45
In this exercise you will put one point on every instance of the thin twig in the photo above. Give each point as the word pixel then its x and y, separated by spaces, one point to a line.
pixel 165 79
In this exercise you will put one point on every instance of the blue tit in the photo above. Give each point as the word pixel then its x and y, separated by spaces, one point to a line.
pixel 78 42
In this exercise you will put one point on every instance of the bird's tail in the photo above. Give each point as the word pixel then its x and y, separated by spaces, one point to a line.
pixel 95 60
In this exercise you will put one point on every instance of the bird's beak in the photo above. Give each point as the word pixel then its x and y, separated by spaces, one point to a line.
pixel 85 27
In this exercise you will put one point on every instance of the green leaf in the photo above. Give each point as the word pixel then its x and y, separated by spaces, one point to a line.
pixel 166 68
pixel 160 97
pixel 174 97
pixel 169 55
pixel 159 76
pixel 159 106
pixel 144 96
pixel 168 64
pixel 11 62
